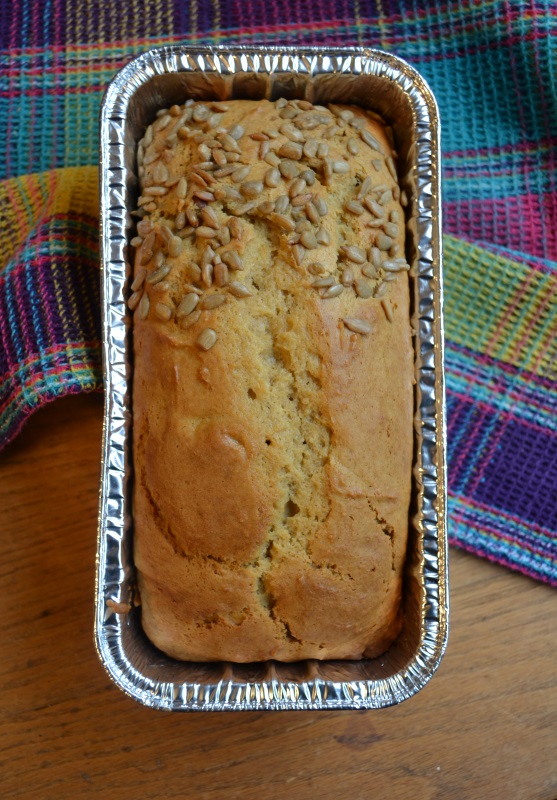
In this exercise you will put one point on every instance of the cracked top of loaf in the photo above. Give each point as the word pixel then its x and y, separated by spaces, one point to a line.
pixel 272 388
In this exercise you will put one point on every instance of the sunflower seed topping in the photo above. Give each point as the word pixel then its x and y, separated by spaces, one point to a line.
pixel 352 146
pixel 291 132
pixel 370 140
pixel 308 240
pixel 282 221
pixel 238 289
pixel 272 178
pixel 251 188
pixel 158 274
pixel 328 280
pixel 363 289
pixel 322 236
pixel 205 232
pixel 340 167
pixel 299 253
pixel 207 271
pixel 357 325
pixel 139 280
pixel 207 338
pixel 365 188
pixel 322 150
pixel 354 207
pixel 321 206
pixel 143 308
pixel 291 150
pixel 354 253
pixel 155 191
pixel 232 259
pixel 236 132
pixel 175 246
pixel 266 207
pixel 347 278
pixel 221 275
pixel 310 148
pixel 163 311
pixel 384 242
pixel 209 218
pixel 240 174
pixel 388 309
pixel 211 301
pixel 272 159
pixel 333 291
pixel 235 227
pixel 133 300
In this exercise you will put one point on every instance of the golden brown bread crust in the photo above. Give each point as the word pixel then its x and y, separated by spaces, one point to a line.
pixel 273 470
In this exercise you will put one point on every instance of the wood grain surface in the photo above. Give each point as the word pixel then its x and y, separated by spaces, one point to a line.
pixel 485 727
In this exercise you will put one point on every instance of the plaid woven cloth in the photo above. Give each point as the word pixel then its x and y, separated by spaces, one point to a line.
pixel 491 65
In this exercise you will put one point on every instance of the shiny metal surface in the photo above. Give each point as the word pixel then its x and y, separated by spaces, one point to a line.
pixel 390 87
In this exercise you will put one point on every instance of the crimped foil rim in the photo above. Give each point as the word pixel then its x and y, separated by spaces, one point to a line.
pixel 430 470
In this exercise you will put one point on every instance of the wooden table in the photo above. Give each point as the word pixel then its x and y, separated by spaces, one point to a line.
pixel 485 727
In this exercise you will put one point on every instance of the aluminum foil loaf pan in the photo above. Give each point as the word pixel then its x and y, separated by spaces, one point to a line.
pixel 388 86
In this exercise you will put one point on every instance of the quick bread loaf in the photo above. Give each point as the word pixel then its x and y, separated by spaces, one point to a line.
pixel 272 382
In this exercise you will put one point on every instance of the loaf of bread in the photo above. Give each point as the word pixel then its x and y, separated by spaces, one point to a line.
pixel 272 382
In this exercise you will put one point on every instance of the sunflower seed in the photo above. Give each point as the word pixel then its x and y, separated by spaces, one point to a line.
pixel 232 259
pixel 370 140
pixel 207 255
pixel 369 271
pixel 221 275
pixel 364 188
pixel 297 187
pixel 403 199
pixel 204 152
pixel 327 281
pixel 354 253
pixel 373 207
pixel 329 132
pixel 160 173
pixel 155 191
pixel 266 208
pixel 158 274
pixel 394 250
pixel 281 102
pixel 158 259
pixel 290 150
pixel 363 289
pixel 136 241
pixel 392 229
pixel 133 300
pixel 207 271
pixel 263 150
pixel 310 148
pixel 189 288
pixel 232 157
pixel 340 167
pixel 301 200
pixel 175 247
pixel 327 172
pixel 207 338
pixel 333 291
pixel 161 123
pixel 240 174
pixel 193 219
pixel 388 309
pixel 394 216
pixel 316 268
pixel 312 213
pixel 182 188
pixel 162 311
pixel 194 272
pixel 145 252
pixel 229 193
pixel 352 146
pixel 224 235
pixel 322 236
pixel 143 308
pixel 308 240
pixel 144 227
pixel 236 132
pixel 294 239
pixel 347 278
pixel 272 159
pixel 354 207
pixel 242 209
pixel 238 289
pixel 235 227
pixel 288 169
pixel 200 113
pixel 396 192
pixel 383 242
pixel 357 325
pixel 224 171
pixel 321 206
pixel 302 224
pixel 291 132
pixel 282 221
pixel 272 178
pixel 251 188
pixel 184 132
pixel 281 204
pixel 207 197
pixel 259 137
pixel 381 290
pixel 391 167
pixel 386 197
pixel 288 112
pixel 212 301
pixel 209 217
pixel 219 157
pixel 203 170
pixel 229 143
pixel 205 232
pixel 189 320
pixel 138 280
pixel 322 150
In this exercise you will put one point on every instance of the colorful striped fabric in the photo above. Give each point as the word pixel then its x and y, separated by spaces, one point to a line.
pixel 492 67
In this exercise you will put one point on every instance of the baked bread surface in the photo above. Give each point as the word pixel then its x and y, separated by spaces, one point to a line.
pixel 272 433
